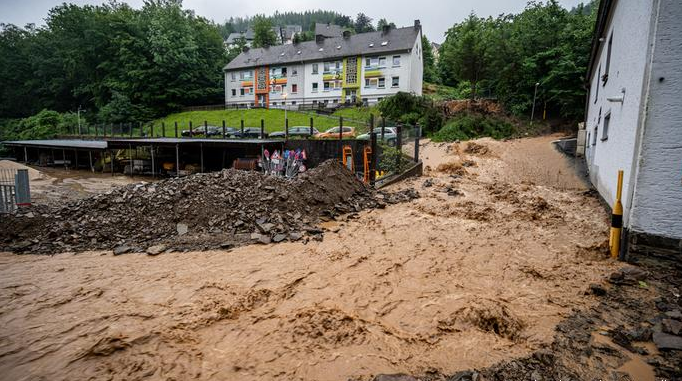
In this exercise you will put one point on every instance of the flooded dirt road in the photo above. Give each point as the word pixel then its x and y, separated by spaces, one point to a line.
pixel 479 270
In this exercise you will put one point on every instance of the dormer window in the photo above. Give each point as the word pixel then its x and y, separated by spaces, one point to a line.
pixel 371 45
pixel 384 43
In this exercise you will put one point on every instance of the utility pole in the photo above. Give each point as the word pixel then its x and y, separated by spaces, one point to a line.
pixel 532 114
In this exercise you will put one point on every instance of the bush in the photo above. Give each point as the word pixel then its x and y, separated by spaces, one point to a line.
pixel 388 160
pixel 412 109
pixel 465 127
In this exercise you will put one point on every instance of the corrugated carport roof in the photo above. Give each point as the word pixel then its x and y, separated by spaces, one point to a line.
pixel 59 143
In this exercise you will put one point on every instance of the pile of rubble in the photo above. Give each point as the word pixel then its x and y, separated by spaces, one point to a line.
pixel 198 212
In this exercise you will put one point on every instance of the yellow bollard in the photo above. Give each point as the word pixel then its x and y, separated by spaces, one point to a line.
pixel 617 219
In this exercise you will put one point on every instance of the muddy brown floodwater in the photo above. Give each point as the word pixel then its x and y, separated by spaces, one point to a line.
pixel 480 269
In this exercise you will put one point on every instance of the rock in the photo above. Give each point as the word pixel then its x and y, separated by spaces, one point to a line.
pixel 264 239
pixel 226 245
pixel 266 227
pixel 466 375
pixel 295 236
pixel 597 289
pixel 181 228
pixel 628 275
pixel 427 183
pixel 394 377
pixel 667 341
pixel 671 326
pixel 29 215
pixel 279 237
pixel 674 314
pixel 156 249
pixel 122 249
pixel 639 334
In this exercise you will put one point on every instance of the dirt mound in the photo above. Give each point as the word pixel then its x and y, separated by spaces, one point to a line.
pixel 481 106
pixel 33 174
pixel 202 211
pixel 327 327
pixel 474 148
pixel 452 168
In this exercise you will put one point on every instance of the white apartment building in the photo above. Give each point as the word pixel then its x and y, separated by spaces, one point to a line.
pixel 634 115
pixel 364 67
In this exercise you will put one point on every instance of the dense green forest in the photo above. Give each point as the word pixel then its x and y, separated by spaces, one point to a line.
pixel 505 57
pixel 112 60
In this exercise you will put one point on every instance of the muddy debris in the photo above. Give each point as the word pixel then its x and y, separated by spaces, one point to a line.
pixel 202 211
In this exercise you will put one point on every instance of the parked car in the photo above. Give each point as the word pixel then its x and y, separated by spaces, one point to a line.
pixel 333 133
pixel 298 131
pixel 249 133
pixel 390 135
pixel 201 130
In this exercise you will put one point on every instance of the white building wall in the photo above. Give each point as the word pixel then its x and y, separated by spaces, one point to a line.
pixel 389 71
pixel 626 71
pixel 657 201
pixel 416 67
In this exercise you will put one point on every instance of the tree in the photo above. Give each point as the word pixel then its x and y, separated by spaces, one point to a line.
pixel 428 61
pixel 263 35
pixel 363 23
pixel 464 56
pixel 382 23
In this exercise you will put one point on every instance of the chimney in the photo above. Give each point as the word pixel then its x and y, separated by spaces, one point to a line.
pixel 417 24
pixel 346 34
pixel 319 38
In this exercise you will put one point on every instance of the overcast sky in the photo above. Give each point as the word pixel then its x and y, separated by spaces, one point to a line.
pixel 436 15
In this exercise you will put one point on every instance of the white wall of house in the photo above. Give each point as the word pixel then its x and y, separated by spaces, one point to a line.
pixel 609 151
pixel 397 66
pixel 416 68
pixel 657 198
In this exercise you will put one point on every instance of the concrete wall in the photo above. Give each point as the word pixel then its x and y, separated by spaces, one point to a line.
pixel 629 25
pixel 657 200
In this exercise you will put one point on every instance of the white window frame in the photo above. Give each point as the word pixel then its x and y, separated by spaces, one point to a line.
pixel 379 83
pixel 605 127
pixel 394 61
pixel 393 81
pixel 316 68
pixel 316 87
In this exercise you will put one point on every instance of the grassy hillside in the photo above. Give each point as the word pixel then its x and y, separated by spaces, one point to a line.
pixel 274 119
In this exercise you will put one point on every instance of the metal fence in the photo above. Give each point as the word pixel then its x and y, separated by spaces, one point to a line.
pixel 14 189
pixel 7 190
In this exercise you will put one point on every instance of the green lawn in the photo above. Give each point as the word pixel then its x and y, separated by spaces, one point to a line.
pixel 273 119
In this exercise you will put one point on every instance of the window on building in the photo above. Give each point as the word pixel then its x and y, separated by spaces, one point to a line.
pixel 294 88
pixel 314 87
pixel 326 67
pixel 293 102
pixel 241 92
pixel 395 81
pixel 234 92
pixel 368 62
pixel 294 72
pixel 315 68
pixel 233 75
pixel 284 72
pixel 396 60
pixel 382 83
pixel 605 77
pixel 371 83
pixel 241 75
pixel 315 102
pixel 605 129
pixel 382 61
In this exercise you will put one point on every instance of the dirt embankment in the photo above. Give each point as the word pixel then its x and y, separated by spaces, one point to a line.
pixel 476 273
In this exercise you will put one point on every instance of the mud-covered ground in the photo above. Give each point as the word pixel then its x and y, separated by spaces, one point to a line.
pixel 471 280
